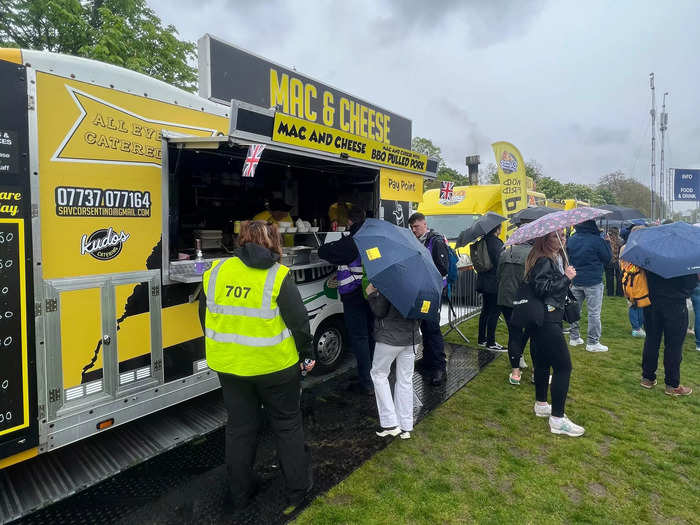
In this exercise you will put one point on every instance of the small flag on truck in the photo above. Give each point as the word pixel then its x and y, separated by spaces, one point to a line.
pixel 251 161
pixel 446 189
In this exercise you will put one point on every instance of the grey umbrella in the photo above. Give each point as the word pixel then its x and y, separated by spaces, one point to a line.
pixel 481 227
pixel 531 214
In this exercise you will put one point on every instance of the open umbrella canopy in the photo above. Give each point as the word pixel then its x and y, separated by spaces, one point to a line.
pixel 670 250
pixel 400 267
pixel 621 213
pixel 481 227
pixel 531 214
pixel 552 222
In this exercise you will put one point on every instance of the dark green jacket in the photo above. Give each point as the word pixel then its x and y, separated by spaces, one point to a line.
pixel 511 272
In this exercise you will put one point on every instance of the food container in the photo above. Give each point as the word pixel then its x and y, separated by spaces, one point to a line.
pixel 340 229
pixel 313 229
pixel 296 255
pixel 291 230
pixel 284 224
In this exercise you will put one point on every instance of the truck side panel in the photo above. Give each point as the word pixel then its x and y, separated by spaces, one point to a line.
pixel 18 407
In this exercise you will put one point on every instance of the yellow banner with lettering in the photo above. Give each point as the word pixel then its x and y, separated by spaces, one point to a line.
pixel 511 174
pixel 299 132
pixel 400 186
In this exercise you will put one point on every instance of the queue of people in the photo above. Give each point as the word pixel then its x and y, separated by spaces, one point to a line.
pixel 260 344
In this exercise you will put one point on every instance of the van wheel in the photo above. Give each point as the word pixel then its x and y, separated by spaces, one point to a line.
pixel 329 342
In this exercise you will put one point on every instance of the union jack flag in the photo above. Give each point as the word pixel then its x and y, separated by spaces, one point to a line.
pixel 446 189
pixel 251 161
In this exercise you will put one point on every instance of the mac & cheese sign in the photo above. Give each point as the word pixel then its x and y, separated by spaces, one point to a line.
pixel 227 73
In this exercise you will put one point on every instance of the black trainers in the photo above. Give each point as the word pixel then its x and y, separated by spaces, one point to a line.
pixel 387 432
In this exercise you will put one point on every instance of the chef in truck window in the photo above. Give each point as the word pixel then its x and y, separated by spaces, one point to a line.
pixel 277 211
pixel 359 320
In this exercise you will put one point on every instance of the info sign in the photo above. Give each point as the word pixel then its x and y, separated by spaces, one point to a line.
pixel 228 73
pixel 686 185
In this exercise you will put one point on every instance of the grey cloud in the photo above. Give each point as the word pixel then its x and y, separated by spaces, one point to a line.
pixel 600 135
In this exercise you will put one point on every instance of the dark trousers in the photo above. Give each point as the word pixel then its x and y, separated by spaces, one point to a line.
pixel 613 280
pixel 488 320
pixel 669 321
pixel 359 324
pixel 279 394
pixel 551 351
pixel 433 344
pixel 517 339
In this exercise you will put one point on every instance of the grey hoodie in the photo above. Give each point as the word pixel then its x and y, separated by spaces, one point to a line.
pixel 390 327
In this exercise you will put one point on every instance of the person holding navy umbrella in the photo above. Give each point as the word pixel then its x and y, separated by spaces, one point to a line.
pixel 670 254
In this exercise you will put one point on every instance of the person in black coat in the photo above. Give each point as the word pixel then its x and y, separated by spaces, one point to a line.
pixel 487 285
pixel 550 282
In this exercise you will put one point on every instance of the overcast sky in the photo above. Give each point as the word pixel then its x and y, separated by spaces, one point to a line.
pixel 565 81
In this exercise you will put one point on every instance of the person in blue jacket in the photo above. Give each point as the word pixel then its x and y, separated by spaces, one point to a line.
pixel 589 252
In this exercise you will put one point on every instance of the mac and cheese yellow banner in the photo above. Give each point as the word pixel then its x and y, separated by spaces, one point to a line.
pixel 511 174
pixel 400 186
pixel 299 132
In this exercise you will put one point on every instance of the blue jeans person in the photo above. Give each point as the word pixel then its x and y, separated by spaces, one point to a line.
pixel 695 298
pixel 594 296
pixel 359 323
pixel 636 316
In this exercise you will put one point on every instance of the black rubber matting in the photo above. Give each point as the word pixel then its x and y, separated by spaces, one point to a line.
pixel 187 484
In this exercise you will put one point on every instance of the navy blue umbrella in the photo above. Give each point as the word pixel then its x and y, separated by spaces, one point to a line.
pixel 670 250
pixel 400 267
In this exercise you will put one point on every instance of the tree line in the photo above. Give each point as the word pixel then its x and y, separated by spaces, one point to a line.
pixel 612 188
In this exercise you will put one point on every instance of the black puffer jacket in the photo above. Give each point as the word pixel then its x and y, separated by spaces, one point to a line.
pixel 511 272
pixel 548 283
pixel 390 327
pixel 487 282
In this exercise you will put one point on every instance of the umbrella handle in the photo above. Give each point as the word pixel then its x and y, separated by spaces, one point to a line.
pixel 566 257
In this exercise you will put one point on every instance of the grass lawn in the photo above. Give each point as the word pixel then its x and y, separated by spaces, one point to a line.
pixel 484 457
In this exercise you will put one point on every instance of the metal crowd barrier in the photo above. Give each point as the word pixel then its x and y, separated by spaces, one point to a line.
pixel 463 301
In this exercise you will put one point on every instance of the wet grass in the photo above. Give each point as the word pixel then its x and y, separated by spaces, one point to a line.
pixel 484 457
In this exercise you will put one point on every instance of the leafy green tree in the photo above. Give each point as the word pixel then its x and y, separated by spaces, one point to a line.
pixel 426 147
pixel 126 33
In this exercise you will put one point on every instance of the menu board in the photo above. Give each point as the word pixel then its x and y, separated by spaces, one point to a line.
pixel 14 388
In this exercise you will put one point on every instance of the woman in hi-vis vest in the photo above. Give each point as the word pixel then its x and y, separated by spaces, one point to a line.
pixel 257 337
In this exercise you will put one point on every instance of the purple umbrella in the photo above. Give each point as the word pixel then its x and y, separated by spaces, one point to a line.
pixel 553 222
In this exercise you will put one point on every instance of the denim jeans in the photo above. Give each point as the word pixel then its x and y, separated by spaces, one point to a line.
pixel 594 296
pixel 695 298
pixel 636 315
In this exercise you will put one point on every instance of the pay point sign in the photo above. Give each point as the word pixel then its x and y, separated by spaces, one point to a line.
pixel 686 185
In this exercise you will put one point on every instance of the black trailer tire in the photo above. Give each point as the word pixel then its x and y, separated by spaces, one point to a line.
pixel 330 342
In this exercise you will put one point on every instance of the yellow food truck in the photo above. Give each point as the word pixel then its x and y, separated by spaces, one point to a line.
pixel 117 191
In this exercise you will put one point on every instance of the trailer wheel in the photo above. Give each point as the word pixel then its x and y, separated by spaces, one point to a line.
pixel 329 342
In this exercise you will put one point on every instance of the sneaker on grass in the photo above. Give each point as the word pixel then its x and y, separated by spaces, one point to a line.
pixel 513 380
pixel 385 432
pixel 680 390
pixel 495 347
pixel 648 383
pixel 544 410
pixel 596 348
pixel 405 434
pixel 575 342
pixel 638 333
pixel 564 426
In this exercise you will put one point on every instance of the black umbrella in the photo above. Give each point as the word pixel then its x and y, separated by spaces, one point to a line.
pixel 481 227
pixel 531 214
pixel 621 213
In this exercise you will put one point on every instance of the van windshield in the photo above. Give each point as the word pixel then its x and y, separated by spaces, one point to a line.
pixel 451 225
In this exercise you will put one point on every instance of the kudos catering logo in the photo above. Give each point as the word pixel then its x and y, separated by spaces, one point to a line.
pixel 104 244
pixel 508 163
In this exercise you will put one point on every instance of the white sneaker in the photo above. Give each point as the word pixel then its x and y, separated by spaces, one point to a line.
pixel 405 434
pixel 384 432
pixel 565 426
pixel 523 364
pixel 575 342
pixel 543 410
pixel 596 348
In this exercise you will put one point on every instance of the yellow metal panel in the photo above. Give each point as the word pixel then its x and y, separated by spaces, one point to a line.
pixel 400 186
pixel 11 54
pixel 18 458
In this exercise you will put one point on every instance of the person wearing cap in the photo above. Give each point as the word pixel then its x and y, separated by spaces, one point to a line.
pixel 276 211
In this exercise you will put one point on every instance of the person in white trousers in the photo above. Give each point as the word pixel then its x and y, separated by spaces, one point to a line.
pixel 395 338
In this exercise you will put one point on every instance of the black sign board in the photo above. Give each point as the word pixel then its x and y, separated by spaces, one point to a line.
pixel 8 152
pixel 13 351
pixel 396 212
pixel 227 72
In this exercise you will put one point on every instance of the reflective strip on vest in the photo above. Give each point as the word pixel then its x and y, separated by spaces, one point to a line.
pixel 247 340
pixel 265 312
pixel 350 276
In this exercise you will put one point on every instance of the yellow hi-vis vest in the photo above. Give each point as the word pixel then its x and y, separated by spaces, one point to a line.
pixel 244 331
